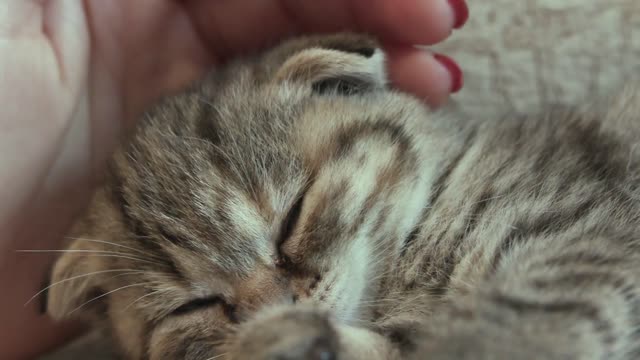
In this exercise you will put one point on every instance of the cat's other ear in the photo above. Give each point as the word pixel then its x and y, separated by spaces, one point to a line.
pixel 74 291
pixel 342 63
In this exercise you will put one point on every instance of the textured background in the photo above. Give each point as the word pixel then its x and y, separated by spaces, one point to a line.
pixel 527 53
pixel 522 54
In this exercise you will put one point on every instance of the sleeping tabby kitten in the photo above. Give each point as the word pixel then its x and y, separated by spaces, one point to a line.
pixel 291 206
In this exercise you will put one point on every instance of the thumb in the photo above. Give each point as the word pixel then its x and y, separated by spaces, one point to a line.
pixel 43 67
pixel 44 54
pixel 58 27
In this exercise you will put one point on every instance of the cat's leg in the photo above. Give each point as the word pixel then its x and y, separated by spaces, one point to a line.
pixel 574 299
pixel 304 332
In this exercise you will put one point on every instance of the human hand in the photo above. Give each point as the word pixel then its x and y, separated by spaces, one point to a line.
pixel 74 75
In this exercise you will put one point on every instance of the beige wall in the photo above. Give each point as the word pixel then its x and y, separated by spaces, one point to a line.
pixel 524 53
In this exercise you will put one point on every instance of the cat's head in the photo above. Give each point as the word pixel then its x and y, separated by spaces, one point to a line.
pixel 295 175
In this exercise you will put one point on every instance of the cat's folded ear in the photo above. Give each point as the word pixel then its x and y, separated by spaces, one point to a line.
pixel 342 63
pixel 74 290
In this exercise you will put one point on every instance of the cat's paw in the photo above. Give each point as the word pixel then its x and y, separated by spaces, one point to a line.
pixel 287 333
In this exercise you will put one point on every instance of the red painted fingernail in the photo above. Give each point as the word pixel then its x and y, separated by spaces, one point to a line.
pixel 460 13
pixel 457 79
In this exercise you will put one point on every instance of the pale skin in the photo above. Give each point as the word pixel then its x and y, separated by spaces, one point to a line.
pixel 74 76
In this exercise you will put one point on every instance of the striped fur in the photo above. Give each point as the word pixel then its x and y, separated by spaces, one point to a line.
pixel 291 206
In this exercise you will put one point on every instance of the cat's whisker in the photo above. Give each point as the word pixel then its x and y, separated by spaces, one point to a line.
pixel 380 302
pixel 140 272
pixel 373 303
pixel 143 297
pixel 71 279
pixel 87 252
pixel 211 105
pixel 190 138
pixel 218 356
pixel 217 343
pixel 106 294
pixel 83 251
pixel 128 273
pixel 391 298
pixel 124 257
pixel 68 251
pixel 108 243
pixel 409 304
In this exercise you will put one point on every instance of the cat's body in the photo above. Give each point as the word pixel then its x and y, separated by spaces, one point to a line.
pixel 293 207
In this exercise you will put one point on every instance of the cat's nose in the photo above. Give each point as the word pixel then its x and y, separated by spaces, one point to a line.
pixel 304 287
pixel 287 298
pixel 265 287
pixel 321 351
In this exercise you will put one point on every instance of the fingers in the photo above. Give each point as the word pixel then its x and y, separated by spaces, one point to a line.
pixel 231 26
pixel 423 22
pixel 20 18
pixel 405 21
pixel 321 16
pixel 66 27
pixel 144 49
pixel 49 27
pixel 430 77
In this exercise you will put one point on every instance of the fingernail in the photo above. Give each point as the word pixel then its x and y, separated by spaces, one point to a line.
pixel 460 13
pixel 457 79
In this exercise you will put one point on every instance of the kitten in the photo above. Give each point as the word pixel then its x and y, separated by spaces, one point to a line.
pixel 292 206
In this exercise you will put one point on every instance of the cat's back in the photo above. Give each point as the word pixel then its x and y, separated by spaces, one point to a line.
pixel 521 179
pixel 589 144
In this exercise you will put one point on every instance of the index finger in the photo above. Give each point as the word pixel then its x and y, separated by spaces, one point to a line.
pixel 231 27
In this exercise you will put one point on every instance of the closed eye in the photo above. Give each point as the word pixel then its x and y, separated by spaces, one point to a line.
pixel 288 226
pixel 341 86
pixel 198 304
pixel 290 222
